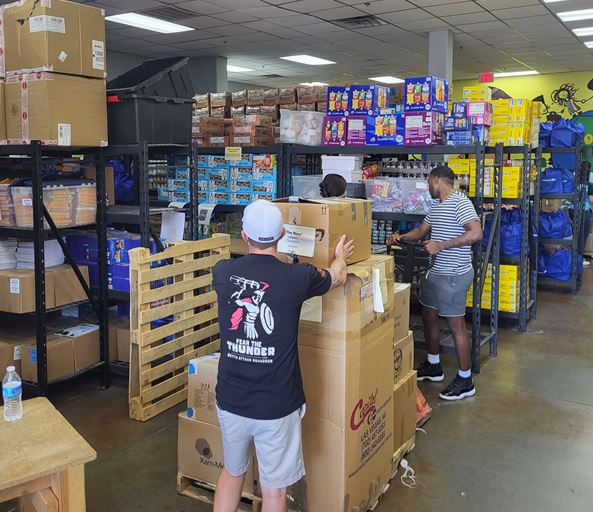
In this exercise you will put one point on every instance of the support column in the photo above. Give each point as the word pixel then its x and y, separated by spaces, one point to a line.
pixel 440 54
pixel 209 74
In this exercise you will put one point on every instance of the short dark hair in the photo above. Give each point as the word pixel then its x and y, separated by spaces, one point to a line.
pixel 333 185
pixel 444 172
pixel 262 246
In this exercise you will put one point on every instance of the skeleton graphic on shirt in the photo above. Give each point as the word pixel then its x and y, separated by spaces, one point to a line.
pixel 250 308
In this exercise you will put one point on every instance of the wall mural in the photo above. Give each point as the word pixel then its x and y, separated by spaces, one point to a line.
pixel 566 101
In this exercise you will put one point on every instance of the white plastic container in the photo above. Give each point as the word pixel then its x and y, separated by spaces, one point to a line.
pixel 307 187
pixel 299 127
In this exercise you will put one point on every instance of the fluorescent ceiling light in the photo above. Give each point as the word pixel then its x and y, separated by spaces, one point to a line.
pixel 237 69
pixel 148 23
pixel 589 44
pixel 387 79
pixel 516 73
pixel 583 14
pixel 312 84
pixel 587 31
pixel 308 59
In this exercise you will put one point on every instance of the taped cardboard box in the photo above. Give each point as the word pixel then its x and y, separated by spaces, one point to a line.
pixel 320 224
pixel 347 430
pixel 59 36
pixel 67 287
pixel 10 355
pixel 17 290
pixel 202 374
pixel 61 110
pixel 200 454
pixel 403 356
pixel 2 111
pixel 123 340
pixel 402 310
pixel 91 173
pixel 404 410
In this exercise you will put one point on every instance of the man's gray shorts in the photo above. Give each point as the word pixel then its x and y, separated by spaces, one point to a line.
pixel 277 446
pixel 446 294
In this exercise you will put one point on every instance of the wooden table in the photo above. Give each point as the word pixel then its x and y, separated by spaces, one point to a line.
pixel 43 456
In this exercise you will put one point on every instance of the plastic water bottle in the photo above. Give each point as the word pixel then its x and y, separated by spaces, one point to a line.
pixel 12 393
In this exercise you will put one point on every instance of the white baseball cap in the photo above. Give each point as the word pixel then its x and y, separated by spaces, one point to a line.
pixel 262 222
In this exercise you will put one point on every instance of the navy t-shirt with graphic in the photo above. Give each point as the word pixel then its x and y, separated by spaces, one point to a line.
pixel 259 305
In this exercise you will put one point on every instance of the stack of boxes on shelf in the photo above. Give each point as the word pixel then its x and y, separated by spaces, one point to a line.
pixel 516 122
pixel 178 182
pixel 509 289
pixel 53 74
pixel 237 182
pixel 467 167
pixel 469 123
pixel 426 102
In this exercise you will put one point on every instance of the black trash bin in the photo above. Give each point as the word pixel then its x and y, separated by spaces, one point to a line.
pixel 151 102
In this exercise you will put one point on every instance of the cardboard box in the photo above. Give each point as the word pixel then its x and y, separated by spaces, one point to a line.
pixel 338 101
pixel 64 37
pixel 403 356
pixel 382 267
pixel 356 131
pixel 123 340
pixel 347 375
pixel 57 109
pixel 67 287
pixel 200 455
pixel 321 223
pixel 404 410
pixel 423 128
pixel 3 114
pixel 335 131
pixel 91 173
pixel 202 374
pixel 60 359
pixel 385 129
pixel 368 99
pixel 17 290
pixel 85 344
pixel 402 310
pixel 426 94
pixel 10 354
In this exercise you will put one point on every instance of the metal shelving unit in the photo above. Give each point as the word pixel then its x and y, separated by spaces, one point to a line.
pixel 479 338
pixel 31 157
pixel 577 198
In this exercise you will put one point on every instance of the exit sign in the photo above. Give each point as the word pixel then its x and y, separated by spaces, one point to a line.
pixel 486 78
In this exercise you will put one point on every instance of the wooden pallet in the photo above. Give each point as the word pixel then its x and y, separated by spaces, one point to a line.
pixel 204 492
pixel 180 289
pixel 404 449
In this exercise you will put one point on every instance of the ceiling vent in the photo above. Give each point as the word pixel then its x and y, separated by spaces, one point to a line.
pixel 358 22
pixel 272 76
pixel 170 13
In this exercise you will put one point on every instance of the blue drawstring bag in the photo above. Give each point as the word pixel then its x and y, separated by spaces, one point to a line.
pixel 554 224
pixel 124 182
pixel 559 265
pixel 542 262
pixel 545 134
pixel 566 134
pixel 567 181
pixel 551 181
pixel 510 233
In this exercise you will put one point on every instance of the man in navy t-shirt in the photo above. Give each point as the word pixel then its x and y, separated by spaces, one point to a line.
pixel 260 393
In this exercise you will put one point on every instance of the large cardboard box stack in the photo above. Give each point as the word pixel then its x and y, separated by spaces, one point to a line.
pixel 200 453
pixel 54 65
pixel 404 376
pixel 346 353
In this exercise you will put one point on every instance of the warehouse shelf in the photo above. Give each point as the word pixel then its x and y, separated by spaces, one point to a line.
pixel 553 281
pixel 547 150
pixel 248 150
pixel 32 155
pixel 569 197
pixel 557 241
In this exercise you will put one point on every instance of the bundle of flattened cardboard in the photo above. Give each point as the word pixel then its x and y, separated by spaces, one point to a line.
pixel 356 356
pixel 52 71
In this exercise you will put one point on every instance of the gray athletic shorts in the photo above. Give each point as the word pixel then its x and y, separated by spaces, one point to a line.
pixel 446 294
pixel 277 446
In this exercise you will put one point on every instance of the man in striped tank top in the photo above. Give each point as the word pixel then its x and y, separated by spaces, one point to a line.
pixel 453 226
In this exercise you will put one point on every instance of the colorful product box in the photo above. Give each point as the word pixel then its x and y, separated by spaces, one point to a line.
pixel 458 109
pixel 202 185
pixel 265 173
pixel 334 131
pixel 202 196
pixel 477 93
pixel 480 112
pixel 263 195
pixel 385 129
pixel 162 193
pixel 338 103
pixel 457 124
pixel 241 173
pixel 217 162
pixel 245 161
pixel 459 138
pixel 202 173
pixel 264 162
pixel 218 186
pixel 177 185
pixel 368 99
pixel 356 131
pixel 218 198
pixel 218 174
pixel 241 198
pixel 202 161
pixel 423 128
pixel 264 187
pixel 240 186
pixel 182 172
pixel 481 134
pixel 426 93
pixel 179 196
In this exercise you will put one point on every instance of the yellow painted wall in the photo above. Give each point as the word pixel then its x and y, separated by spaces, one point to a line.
pixel 556 98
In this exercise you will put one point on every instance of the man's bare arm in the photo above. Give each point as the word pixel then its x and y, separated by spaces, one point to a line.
pixel 473 233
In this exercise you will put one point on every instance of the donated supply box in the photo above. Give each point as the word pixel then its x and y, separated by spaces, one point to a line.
pixel 368 99
pixel 426 94
pixel 59 36
pixel 402 310
pixel 404 410
pixel 346 351
pixel 202 374
pixel 314 227
pixel 59 110
pixel 403 356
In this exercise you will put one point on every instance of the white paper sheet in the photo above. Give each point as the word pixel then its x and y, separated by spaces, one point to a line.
pixel 172 226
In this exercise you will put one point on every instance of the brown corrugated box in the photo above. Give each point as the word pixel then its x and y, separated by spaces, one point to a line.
pixel 91 173
pixel 2 110
pixel 403 356
pixel 202 374
pixel 59 36
pixel 67 287
pixel 404 410
pixel 17 291
pixel 61 110
pixel 330 218
pixel 123 340
pixel 402 310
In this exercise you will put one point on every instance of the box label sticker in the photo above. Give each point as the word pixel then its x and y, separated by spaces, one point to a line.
pixel 27 201
pixel 15 285
pixel 414 121
pixel 33 355
pixel 78 330
pixel 64 134
pixel 356 124
pixel 16 354
pixel 366 291
pixel 98 50
pixel 298 240
pixel 63 56
pixel 46 23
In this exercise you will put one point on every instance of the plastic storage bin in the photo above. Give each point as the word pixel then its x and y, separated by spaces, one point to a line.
pixel 151 102
pixel 301 127
pixel 385 195
pixel 306 187
pixel 415 196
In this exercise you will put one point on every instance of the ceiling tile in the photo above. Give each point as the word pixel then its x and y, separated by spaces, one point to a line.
pixel 430 3
pixel 201 22
pixel 233 17
pixel 243 4
pixel 269 11
pixel 456 8
pixel 426 25
pixel 401 17
pixel 520 12
pixel 296 19
pixel 312 6
pixel 339 13
pixel 504 4
pixel 321 28
pixel 465 19
pixel 381 6
pixel 202 7
pixel 133 5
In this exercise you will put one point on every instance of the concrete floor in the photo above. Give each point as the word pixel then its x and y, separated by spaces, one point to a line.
pixel 524 443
